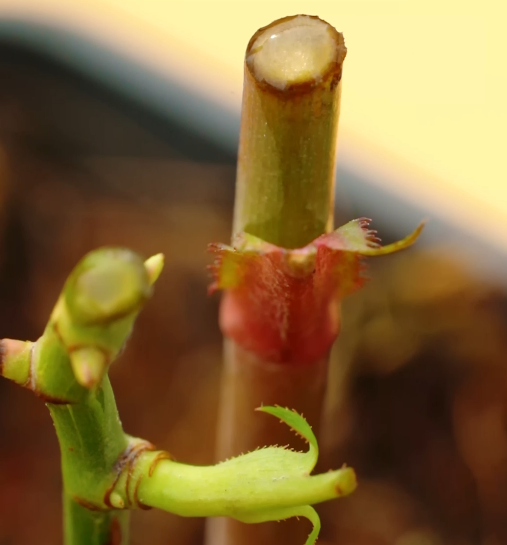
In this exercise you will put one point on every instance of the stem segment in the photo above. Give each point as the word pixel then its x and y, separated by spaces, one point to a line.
pixel 284 195
pixel 67 367
pixel 91 441
pixel 84 526
pixel 287 149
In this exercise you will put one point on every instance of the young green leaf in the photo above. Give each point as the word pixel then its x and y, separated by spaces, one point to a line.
pixel 268 484
pixel 299 425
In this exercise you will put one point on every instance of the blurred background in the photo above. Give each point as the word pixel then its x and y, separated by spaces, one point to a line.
pixel 119 125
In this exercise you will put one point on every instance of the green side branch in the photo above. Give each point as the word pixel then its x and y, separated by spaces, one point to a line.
pixel 107 472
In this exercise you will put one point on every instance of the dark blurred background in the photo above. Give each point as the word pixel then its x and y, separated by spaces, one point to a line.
pixel 418 383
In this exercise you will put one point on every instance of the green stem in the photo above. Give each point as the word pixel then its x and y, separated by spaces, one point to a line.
pixel 67 367
pixel 85 527
pixel 91 441
pixel 289 120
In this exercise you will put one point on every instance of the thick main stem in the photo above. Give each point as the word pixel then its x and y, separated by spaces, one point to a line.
pixel 284 195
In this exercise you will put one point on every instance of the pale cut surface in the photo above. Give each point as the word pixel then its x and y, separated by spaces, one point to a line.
pixel 295 51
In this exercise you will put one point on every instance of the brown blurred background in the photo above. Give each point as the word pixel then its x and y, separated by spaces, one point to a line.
pixel 418 385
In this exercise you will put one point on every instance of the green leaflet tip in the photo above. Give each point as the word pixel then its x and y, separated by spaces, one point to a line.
pixel 154 266
pixel 296 422
pixel 89 365
pixel 376 250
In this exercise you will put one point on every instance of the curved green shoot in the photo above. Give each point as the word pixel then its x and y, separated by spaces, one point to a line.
pixel 105 471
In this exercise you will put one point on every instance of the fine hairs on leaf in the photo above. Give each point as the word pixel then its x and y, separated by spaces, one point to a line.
pixel 296 465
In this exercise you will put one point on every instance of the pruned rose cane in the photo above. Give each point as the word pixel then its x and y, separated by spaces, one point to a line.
pixel 286 271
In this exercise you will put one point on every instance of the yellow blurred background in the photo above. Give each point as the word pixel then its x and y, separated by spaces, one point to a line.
pixel 424 84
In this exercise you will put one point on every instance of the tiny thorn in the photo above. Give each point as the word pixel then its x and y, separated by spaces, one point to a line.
pixel 89 365
pixel 154 266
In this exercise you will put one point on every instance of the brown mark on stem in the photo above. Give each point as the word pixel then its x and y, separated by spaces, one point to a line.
pixel 87 504
pixel 53 400
pixel 126 462
pixel 162 455
pixel 137 501
pixel 115 534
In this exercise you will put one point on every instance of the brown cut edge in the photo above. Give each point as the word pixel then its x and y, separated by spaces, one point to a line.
pixel 332 74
